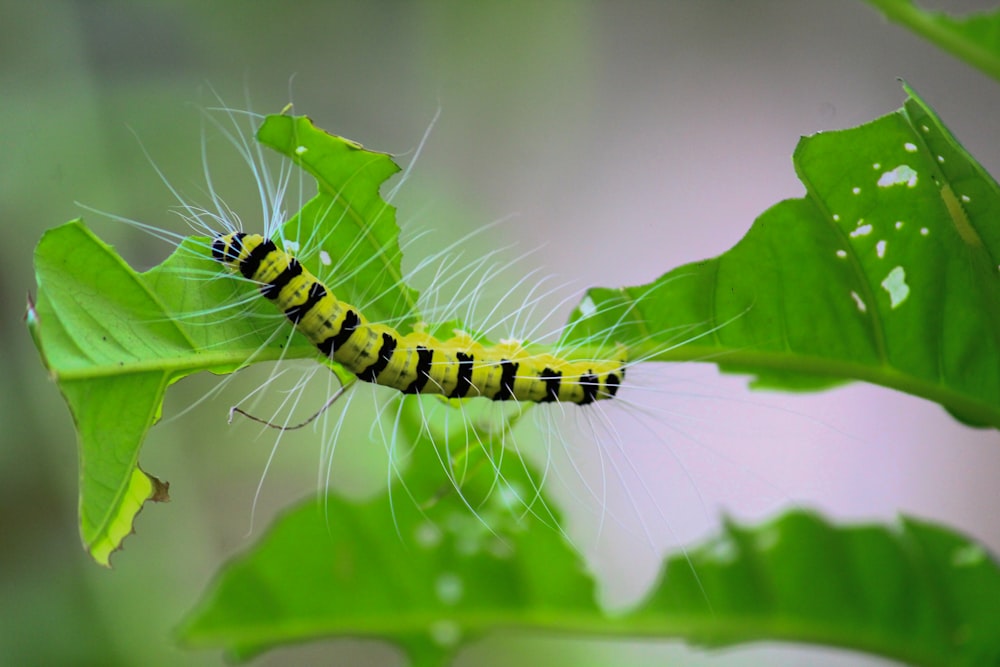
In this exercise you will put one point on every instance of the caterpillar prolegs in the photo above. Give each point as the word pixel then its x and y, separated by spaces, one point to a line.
pixel 417 362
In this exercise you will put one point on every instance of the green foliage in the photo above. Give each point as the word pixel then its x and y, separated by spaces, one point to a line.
pixel 810 297
pixel 347 218
pixel 974 38
pixel 110 336
pixel 914 592
pixel 886 271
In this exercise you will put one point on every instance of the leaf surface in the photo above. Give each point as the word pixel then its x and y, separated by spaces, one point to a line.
pixel 347 233
pixel 914 592
pixel 114 339
pixel 886 271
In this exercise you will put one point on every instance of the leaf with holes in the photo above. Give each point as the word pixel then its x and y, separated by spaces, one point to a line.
pixel 915 592
pixel 114 339
pixel 886 271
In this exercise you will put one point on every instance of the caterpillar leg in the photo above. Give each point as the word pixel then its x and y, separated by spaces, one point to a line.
pixel 284 427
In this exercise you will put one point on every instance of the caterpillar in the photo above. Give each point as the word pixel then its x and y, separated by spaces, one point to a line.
pixel 273 294
pixel 383 340
pixel 417 362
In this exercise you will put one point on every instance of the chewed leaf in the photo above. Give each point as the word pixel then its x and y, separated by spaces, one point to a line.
pixel 886 271
pixel 114 339
pixel 916 592
pixel 114 342
pixel 98 326
pixel 347 233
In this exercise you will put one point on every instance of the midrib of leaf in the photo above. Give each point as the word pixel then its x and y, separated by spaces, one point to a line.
pixel 790 361
pixel 774 605
pixel 732 627
pixel 173 364
pixel 876 352
pixel 177 364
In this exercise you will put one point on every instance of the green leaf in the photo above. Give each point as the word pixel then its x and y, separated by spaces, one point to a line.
pixel 114 339
pixel 886 271
pixel 914 592
pixel 347 219
pixel 974 38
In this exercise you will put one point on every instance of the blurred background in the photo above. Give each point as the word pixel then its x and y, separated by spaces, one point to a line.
pixel 622 139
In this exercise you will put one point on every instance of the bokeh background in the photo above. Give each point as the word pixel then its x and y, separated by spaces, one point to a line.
pixel 621 138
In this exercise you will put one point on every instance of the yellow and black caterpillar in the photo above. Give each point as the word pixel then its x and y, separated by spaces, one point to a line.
pixel 415 363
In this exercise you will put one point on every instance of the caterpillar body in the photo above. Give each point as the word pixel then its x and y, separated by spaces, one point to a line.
pixel 417 362
pixel 468 444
